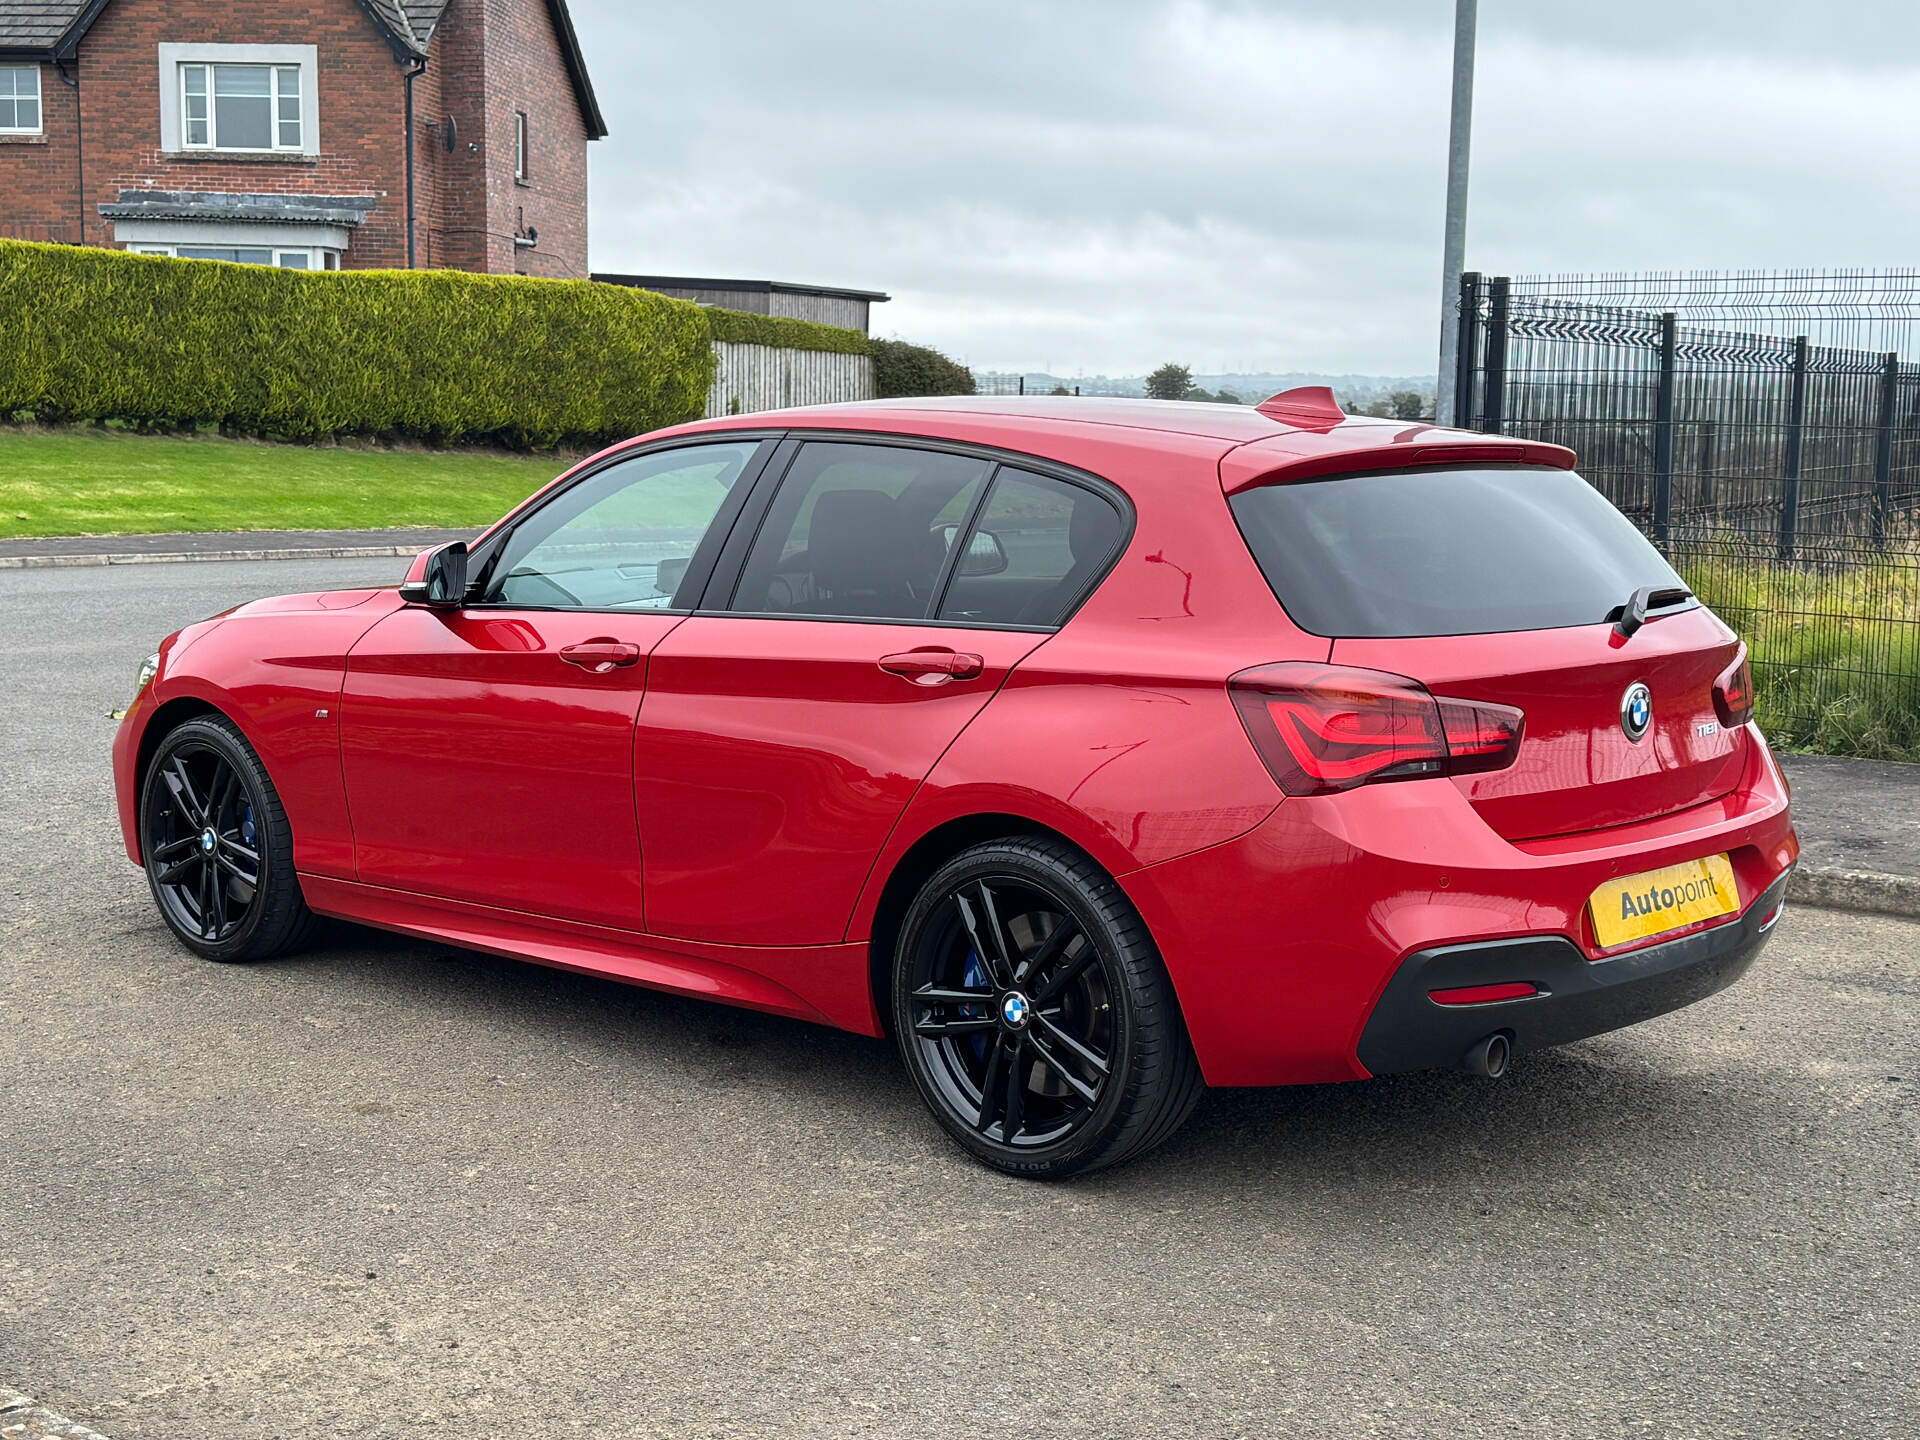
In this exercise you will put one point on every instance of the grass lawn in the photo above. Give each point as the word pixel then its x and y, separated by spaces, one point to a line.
pixel 113 482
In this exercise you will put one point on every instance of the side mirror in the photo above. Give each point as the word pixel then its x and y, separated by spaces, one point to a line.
pixel 442 582
pixel 669 573
pixel 985 554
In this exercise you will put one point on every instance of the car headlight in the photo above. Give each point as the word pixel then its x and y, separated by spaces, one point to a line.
pixel 143 676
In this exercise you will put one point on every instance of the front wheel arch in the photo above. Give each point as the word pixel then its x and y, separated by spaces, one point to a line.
pixel 167 718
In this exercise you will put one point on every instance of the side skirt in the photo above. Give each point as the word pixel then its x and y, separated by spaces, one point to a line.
pixel 825 984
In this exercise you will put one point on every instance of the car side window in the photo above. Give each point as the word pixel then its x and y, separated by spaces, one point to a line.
pixel 622 538
pixel 859 531
pixel 1037 546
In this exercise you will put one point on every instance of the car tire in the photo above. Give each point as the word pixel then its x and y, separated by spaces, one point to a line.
pixel 1034 1013
pixel 234 897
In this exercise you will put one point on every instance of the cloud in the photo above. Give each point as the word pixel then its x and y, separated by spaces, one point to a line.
pixel 1100 187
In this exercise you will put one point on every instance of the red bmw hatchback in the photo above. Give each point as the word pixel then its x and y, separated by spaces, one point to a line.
pixel 1097 750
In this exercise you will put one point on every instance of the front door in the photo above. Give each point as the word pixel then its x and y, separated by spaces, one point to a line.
pixel 874 617
pixel 488 750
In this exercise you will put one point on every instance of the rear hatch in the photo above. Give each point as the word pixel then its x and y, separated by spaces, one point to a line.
pixel 1505 584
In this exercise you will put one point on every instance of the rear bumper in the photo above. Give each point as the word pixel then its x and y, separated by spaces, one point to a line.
pixel 1284 942
pixel 1578 997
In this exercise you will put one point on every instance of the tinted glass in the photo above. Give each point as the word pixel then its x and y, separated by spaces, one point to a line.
pixel 1446 552
pixel 860 531
pixel 1038 545
pixel 621 539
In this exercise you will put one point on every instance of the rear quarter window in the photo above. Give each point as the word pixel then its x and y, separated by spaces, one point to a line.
pixel 1446 552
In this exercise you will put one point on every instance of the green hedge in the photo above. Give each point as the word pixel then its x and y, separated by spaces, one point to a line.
pixel 740 328
pixel 903 369
pixel 437 355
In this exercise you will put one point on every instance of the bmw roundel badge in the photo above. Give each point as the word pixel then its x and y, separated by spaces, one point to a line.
pixel 1636 711
pixel 1014 1009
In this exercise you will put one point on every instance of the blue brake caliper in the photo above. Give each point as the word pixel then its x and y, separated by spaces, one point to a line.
pixel 976 978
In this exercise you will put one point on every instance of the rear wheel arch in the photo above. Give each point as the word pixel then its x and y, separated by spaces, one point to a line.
pixel 915 867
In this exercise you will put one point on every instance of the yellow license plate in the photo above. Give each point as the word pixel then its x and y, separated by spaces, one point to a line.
pixel 1637 906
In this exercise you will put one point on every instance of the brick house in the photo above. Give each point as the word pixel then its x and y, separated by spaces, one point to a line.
pixel 327 134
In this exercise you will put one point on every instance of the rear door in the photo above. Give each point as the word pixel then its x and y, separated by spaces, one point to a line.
pixel 786 726
pixel 1503 584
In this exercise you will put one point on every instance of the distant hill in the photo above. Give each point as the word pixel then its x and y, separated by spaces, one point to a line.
pixel 1251 388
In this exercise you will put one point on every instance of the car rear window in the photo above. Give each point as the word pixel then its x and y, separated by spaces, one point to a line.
pixel 1446 552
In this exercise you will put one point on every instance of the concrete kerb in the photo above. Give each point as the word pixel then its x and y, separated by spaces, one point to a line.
pixel 1826 888
pixel 331 552
pixel 22 1419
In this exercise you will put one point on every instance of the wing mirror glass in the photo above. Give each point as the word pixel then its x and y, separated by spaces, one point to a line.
pixel 443 580
pixel 985 554
pixel 668 575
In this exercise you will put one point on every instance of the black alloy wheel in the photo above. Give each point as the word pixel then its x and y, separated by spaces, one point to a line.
pixel 1034 1013
pixel 218 851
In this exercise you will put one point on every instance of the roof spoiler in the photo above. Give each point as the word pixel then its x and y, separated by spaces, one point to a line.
pixel 1358 450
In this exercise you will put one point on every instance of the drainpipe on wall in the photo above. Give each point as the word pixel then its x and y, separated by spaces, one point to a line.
pixel 79 139
pixel 419 67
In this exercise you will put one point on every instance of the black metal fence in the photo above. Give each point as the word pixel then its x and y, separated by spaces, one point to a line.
pixel 991 382
pixel 1764 431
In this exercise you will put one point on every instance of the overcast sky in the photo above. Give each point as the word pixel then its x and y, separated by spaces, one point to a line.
pixel 1236 184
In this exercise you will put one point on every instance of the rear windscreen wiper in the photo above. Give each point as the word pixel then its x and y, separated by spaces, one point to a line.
pixel 1631 616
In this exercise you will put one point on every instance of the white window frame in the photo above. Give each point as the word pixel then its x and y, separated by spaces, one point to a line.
pixel 522 147
pixel 39 102
pixel 173 83
pixel 318 257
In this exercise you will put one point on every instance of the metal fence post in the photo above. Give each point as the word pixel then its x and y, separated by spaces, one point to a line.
pixel 1796 439
pixel 1494 404
pixel 1467 349
pixel 1663 429
pixel 1883 448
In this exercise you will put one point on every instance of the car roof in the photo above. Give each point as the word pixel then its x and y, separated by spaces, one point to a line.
pixel 1301 434
pixel 1231 424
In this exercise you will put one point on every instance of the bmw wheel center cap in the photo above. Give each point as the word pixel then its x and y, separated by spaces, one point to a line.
pixel 1636 711
pixel 208 841
pixel 1015 1010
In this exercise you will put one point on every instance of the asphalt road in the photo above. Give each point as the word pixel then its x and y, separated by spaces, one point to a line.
pixel 392 1189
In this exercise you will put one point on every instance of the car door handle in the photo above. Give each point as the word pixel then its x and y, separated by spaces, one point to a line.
pixel 933 666
pixel 600 656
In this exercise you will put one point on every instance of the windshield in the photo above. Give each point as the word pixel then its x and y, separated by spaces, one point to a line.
pixel 1446 552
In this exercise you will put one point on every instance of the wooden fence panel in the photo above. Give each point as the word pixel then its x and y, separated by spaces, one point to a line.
pixel 747 378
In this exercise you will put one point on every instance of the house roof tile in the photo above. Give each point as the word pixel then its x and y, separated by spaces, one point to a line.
pixel 36 24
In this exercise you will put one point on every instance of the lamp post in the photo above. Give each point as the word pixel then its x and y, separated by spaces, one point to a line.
pixel 1459 144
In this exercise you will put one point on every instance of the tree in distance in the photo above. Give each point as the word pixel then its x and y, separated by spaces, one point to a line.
pixel 1170 382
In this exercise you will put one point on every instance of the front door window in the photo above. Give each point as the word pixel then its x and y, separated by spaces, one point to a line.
pixel 621 539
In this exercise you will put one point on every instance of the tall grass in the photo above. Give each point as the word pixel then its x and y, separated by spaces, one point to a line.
pixel 1836 650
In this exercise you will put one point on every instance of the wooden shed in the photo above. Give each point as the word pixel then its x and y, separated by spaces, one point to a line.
pixel 823 304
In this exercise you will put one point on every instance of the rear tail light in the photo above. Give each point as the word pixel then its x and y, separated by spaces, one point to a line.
pixel 1733 692
pixel 1322 729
